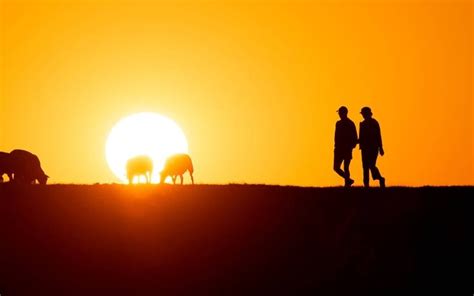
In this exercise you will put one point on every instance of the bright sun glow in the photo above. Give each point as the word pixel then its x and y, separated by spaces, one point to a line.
pixel 143 134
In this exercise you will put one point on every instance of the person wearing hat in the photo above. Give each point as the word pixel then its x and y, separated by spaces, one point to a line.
pixel 345 140
pixel 370 144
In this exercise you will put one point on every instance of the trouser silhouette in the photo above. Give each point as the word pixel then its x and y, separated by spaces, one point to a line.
pixel 340 156
pixel 369 160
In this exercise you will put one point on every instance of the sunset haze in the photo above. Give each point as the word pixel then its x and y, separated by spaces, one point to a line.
pixel 254 85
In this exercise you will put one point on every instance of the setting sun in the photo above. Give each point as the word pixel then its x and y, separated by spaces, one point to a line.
pixel 145 133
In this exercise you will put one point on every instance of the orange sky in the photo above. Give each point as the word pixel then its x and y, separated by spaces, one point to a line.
pixel 254 85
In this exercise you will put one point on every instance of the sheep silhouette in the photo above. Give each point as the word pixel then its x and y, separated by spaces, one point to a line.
pixel 137 166
pixel 177 165
pixel 26 167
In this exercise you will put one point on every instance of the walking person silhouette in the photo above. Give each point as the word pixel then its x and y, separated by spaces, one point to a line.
pixel 370 143
pixel 345 140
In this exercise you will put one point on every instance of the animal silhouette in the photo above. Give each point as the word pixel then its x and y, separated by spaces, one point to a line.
pixel 137 166
pixel 5 166
pixel 177 165
pixel 26 167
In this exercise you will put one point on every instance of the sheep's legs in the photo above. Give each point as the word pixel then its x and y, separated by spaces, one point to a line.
pixel 192 179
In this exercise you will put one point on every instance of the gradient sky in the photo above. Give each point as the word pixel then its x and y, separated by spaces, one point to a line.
pixel 255 85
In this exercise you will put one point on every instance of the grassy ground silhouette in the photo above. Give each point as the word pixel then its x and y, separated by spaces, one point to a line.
pixel 233 239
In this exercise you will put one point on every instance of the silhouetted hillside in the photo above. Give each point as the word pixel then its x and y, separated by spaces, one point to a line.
pixel 235 239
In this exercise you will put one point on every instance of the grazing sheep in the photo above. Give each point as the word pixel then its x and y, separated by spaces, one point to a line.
pixel 26 167
pixel 138 166
pixel 5 166
pixel 177 165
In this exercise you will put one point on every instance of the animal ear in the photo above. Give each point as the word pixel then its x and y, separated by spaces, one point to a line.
pixel 46 176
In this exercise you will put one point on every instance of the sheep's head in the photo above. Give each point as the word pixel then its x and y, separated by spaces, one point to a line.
pixel 43 179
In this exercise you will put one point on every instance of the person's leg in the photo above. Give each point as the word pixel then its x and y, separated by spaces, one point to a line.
pixel 374 170
pixel 347 173
pixel 365 167
pixel 375 173
pixel 337 163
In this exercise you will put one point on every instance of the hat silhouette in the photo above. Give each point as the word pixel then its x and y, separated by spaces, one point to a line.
pixel 342 109
pixel 366 110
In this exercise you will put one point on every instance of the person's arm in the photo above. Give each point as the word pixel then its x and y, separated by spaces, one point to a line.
pixel 379 140
pixel 354 136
